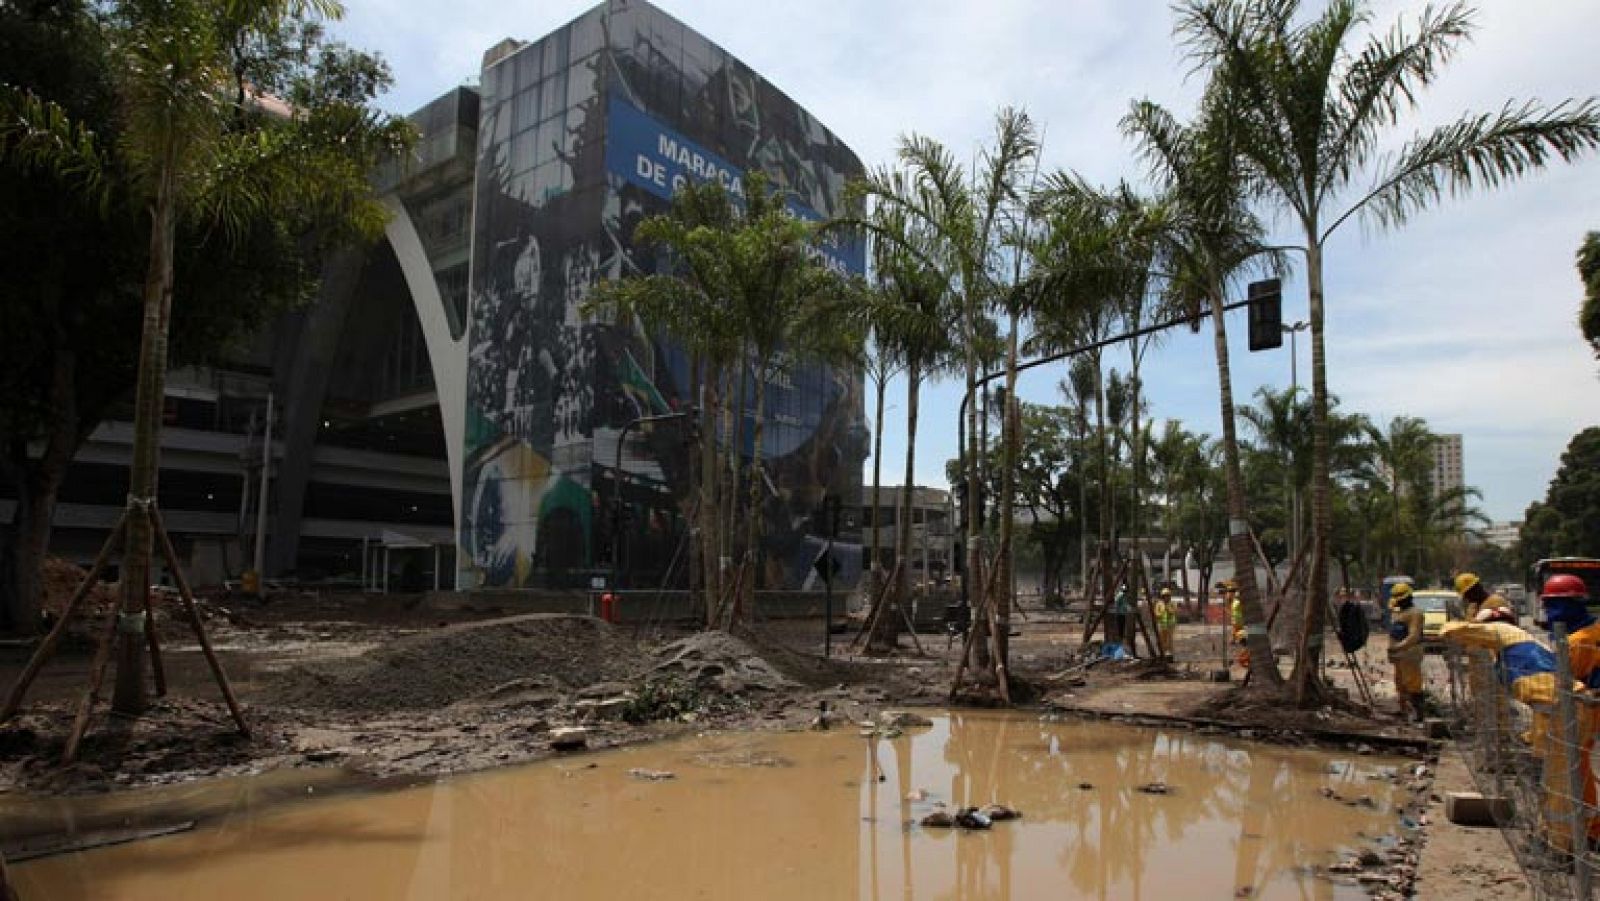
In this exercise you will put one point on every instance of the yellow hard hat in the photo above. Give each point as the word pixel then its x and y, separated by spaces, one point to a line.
pixel 1399 592
pixel 1166 592
pixel 1465 582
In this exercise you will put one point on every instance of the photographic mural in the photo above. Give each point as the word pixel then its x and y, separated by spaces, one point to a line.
pixel 583 135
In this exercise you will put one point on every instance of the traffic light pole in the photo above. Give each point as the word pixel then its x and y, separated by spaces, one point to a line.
pixel 967 503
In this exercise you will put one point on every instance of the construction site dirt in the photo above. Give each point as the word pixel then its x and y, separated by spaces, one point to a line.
pixel 358 692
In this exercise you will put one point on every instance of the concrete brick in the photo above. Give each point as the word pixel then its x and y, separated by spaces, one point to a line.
pixel 1474 809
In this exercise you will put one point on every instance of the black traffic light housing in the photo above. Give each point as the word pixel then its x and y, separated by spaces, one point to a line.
pixel 1266 314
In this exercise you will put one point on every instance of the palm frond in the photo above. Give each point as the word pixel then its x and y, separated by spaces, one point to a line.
pixel 38 135
pixel 1477 151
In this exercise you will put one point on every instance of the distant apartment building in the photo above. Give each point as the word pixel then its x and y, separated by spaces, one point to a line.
pixel 1503 534
pixel 932 532
pixel 1446 474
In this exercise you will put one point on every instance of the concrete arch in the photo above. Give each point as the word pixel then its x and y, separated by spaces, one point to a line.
pixel 447 354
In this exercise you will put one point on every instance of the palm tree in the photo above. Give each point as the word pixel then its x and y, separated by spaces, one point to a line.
pixel 882 363
pixel 1403 453
pixel 1212 238
pixel 196 140
pixel 1312 107
pixel 963 216
pixel 909 311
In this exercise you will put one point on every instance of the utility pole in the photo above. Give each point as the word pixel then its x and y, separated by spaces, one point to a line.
pixel 1294 395
pixel 261 504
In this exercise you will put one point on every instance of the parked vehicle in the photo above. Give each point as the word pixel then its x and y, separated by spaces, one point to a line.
pixel 1438 607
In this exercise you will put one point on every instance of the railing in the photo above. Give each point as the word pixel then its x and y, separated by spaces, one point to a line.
pixel 1528 740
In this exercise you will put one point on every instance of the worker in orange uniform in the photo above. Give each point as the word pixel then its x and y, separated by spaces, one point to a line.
pixel 1565 599
pixel 1475 597
pixel 1405 649
pixel 1166 622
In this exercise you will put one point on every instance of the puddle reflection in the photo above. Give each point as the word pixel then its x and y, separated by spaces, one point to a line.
pixel 792 816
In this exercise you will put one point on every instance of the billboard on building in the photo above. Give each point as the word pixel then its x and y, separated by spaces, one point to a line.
pixel 583 135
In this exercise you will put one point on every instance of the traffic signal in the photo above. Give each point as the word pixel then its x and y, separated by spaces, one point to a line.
pixel 1266 314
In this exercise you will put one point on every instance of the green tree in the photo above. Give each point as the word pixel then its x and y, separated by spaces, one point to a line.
pixel 745 292
pixel 909 313
pixel 1589 272
pixel 1212 239
pixel 1567 522
pixel 1314 105
pixel 962 212
pixel 122 115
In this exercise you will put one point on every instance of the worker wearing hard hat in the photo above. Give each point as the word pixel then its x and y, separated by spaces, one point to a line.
pixel 1166 622
pixel 1475 597
pixel 1405 649
pixel 1230 593
pixel 1528 669
pixel 1565 601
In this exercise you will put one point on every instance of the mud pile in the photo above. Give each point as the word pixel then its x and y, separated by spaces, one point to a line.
pixel 61 579
pixel 721 660
pixel 442 667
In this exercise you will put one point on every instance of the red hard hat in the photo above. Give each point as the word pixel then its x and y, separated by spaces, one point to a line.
pixel 1564 585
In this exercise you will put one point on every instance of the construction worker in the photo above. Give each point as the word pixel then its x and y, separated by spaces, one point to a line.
pixel 1528 669
pixel 1230 592
pixel 1405 649
pixel 1475 597
pixel 1166 622
pixel 1121 607
pixel 1565 599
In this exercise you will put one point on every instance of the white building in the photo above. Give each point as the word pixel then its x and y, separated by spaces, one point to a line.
pixel 1503 534
pixel 932 532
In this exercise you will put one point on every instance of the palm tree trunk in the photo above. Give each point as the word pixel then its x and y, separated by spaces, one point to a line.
pixel 972 580
pixel 128 697
pixel 710 543
pixel 38 483
pixel 887 626
pixel 877 482
pixel 1307 687
pixel 1262 661
pixel 1107 577
pixel 1008 444
pixel 752 530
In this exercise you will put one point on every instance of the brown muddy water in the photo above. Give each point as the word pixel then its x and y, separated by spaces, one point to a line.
pixel 775 815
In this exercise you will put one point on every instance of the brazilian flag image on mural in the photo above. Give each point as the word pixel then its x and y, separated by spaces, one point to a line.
pixel 582 136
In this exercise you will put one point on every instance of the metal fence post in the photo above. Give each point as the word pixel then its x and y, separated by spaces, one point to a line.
pixel 1566 711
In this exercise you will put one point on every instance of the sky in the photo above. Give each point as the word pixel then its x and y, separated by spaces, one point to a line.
pixel 1465 317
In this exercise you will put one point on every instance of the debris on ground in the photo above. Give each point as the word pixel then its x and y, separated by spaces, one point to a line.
pixel 720 660
pixel 999 813
pixel 651 775
pixel 971 818
pixel 1155 788
pixel 441 667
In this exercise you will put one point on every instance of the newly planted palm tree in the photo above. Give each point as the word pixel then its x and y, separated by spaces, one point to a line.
pixel 1313 96
pixel 910 313
pixel 1210 241
pixel 197 140
pixel 962 212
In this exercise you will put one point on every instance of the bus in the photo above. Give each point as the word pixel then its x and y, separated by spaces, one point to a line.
pixel 1585 568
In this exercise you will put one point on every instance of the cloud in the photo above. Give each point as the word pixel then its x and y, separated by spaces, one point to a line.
pixel 1464 317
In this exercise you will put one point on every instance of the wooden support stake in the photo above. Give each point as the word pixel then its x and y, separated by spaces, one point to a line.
pixel 193 612
pixel 97 672
pixel 47 647
pixel 158 671
pixel 876 610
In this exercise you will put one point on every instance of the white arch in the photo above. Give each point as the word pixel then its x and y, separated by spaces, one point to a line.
pixel 447 354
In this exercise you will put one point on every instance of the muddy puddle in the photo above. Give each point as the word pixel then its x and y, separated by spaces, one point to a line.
pixel 781 816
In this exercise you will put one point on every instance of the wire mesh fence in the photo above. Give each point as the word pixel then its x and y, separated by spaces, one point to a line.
pixel 1527 728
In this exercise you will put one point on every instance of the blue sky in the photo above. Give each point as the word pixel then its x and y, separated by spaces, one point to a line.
pixel 1465 317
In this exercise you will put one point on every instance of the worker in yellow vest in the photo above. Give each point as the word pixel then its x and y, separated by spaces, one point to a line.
pixel 1230 591
pixel 1166 622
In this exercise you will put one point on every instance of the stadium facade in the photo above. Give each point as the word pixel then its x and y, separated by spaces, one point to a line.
pixel 446 416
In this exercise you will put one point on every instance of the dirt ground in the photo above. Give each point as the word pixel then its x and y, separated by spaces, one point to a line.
pixel 382 687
